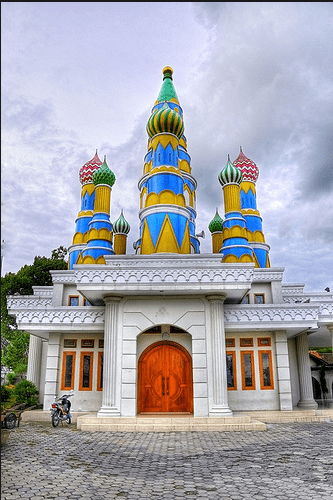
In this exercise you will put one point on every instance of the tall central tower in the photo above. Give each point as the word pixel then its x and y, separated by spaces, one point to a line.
pixel 167 188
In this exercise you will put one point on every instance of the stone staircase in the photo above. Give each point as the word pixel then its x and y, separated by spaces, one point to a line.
pixel 283 417
pixel 168 424
pixel 240 421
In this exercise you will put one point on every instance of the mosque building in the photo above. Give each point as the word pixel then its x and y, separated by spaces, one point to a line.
pixel 167 329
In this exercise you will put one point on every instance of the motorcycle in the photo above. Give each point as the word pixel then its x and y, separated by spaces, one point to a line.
pixel 60 409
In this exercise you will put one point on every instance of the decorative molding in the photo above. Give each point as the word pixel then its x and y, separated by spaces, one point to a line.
pixel 296 299
pixel 29 314
pixel 27 302
pixel 63 277
pixel 161 276
pixel 266 313
pixel 267 274
pixel 291 289
pixel 326 311
pixel 154 269
pixel 65 315
pixel 44 291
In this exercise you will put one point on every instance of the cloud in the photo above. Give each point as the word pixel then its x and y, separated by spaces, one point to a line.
pixel 39 192
pixel 266 84
pixel 252 74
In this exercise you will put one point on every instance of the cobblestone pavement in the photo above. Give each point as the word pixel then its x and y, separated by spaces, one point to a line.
pixel 288 461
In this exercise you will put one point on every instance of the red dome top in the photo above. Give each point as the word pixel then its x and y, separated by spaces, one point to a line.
pixel 86 172
pixel 248 168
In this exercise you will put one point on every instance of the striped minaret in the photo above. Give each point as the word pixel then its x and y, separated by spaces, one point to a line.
pixel 250 173
pixel 235 246
pixel 121 228
pixel 216 228
pixel 167 188
pixel 99 238
pixel 87 207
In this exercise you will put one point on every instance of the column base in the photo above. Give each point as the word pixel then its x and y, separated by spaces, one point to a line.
pixel 108 411
pixel 307 404
pixel 220 411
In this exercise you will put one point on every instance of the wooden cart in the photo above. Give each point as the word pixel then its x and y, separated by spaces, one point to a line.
pixel 11 417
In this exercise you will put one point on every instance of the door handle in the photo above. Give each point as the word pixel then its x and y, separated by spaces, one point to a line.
pixel 167 380
pixel 162 386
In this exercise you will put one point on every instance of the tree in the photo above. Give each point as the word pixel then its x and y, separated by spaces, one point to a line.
pixel 14 342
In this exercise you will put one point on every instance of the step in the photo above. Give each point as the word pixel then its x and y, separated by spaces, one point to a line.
pixel 292 416
pixel 139 424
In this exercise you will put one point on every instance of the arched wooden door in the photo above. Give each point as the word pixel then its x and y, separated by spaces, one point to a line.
pixel 165 383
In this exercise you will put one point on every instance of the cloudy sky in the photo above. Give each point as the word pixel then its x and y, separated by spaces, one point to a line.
pixel 81 76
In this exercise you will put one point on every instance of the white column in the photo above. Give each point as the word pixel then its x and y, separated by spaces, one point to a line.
pixel 34 360
pixel 52 370
pixel 220 407
pixel 110 383
pixel 283 371
pixel 307 401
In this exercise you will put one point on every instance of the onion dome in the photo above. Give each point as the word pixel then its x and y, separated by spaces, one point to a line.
pixel 167 92
pixel 230 174
pixel 86 172
pixel 121 226
pixel 103 175
pixel 164 120
pixel 216 224
pixel 248 168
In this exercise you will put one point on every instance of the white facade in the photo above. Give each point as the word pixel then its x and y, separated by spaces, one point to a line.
pixel 193 301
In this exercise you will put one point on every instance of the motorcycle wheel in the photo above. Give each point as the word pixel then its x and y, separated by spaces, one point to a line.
pixel 10 421
pixel 55 419
pixel 69 420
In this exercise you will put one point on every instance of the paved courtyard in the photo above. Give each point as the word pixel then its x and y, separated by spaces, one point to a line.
pixel 288 461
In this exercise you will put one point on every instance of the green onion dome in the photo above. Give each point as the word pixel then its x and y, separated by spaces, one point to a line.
pixel 104 175
pixel 164 120
pixel 230 174
pixel 216 224
pixel 121 226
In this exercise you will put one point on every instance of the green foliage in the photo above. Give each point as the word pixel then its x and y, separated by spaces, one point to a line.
pixel 6 393
pixel 59 253
pixel 26 392
pixel 321 349
pixel 15 353
pixel 11 378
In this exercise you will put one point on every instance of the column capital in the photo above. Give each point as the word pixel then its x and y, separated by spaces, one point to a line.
pixel 109 299
pixel 216 297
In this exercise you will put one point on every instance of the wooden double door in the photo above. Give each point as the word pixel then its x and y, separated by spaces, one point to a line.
pixel 165 382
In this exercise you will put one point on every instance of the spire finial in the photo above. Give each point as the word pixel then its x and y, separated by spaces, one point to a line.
pixel 167 72
pixel 240 147
pixel 104 158
pixel 228 157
